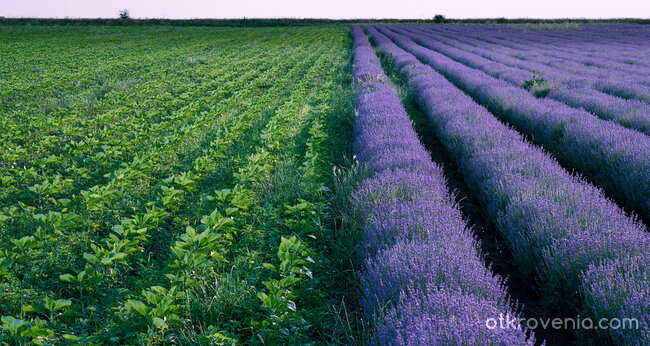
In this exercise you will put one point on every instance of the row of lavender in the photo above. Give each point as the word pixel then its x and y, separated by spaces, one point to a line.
pixel 602 73
pixel 626 77
pixel 613 157
pixel 581 250
pixel 568 52
pixel 564 87
pixel 423 280
pixel 621 50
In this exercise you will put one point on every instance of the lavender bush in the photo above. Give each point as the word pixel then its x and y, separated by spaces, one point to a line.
pixel 621 288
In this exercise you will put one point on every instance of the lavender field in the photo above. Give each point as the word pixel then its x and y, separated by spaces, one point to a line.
pixel 548 132
pixel 322 181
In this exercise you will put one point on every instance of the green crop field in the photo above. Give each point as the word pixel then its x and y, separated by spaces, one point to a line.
pixel 171 185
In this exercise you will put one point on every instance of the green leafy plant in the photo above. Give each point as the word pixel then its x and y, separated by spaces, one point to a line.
pixel 304 218
pixel 56 307
pixel 160 309
pixel 196 251
pixel 23 332
pixel 537 85
pixel 284 319
pixel 12 257
pixel 81 280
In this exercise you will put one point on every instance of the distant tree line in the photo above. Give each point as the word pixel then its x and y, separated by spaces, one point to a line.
pixel 438 19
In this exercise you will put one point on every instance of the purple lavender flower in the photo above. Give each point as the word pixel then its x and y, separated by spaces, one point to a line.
pixel 616 158
pixel 576 90
pixel 416 248
pixel 563 232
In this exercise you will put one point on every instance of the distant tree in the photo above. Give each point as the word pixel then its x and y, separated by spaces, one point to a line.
pixel 124 14
pixel 439 18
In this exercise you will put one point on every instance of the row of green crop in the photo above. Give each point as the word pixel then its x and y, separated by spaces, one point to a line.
pixel 98 198
pixel 185 128
pixel 140 178
pixel 108 263
pixel 73 63
pixel 89 143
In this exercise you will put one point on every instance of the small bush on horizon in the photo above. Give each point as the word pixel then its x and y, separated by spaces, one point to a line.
pixel 124 14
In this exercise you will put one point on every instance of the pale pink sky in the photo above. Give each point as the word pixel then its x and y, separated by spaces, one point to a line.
pixel 327 8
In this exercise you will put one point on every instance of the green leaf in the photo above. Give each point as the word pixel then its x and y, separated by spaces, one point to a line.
pixel 222 195
pixel 173 318
pixel 34 332
pixel 172 277
pixel 27 242
pixel 62 303
pixel 81 276
pixel 13 325
pixel 138 306
pixel 159 323
pixel 269 266
pixel 68 278
pixel 263 297
pixel 152 297
pixel 49 303
pixel 116 257
pixel 219 257
pixel 191 282
pixel 92 259
pixel 289 281
pixel 32 308
pixel 284 265
pixel 161 290
pixel 56 305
